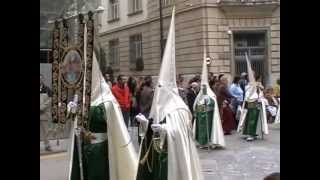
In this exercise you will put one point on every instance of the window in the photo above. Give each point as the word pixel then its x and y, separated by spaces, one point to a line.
pixel 135 48
pixel 45 55
pixel 135 6
pixel 113 10
pixel 167 3
pixel 252 43
pixel 114 52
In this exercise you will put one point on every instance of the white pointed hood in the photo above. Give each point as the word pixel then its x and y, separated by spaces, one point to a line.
pixel 166 97
pixel 217 136
pixel 250 71
pixel 100 90
pixel 121 151
pixel 183 159
pixel 251 89
pixel 251 95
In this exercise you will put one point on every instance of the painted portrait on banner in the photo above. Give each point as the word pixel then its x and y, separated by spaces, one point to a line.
pixel 72 67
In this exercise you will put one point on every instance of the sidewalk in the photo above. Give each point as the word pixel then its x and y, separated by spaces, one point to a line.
pixel 62 147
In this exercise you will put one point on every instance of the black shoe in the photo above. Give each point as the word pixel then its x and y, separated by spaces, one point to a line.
pixel 48 148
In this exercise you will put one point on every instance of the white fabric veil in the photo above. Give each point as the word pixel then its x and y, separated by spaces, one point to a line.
pixel 217 136
pixel 123 161
pixel 183 160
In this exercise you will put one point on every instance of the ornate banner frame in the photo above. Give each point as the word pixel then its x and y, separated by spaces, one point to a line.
pixel 67 60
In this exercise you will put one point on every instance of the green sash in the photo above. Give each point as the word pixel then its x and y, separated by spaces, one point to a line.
pixel 251 121
pixel 153 162
pixel 204 120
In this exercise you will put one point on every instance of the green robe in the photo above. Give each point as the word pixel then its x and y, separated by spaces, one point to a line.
pixel 153 163
pixel 94 156
pixel 204 118
pixel 252 117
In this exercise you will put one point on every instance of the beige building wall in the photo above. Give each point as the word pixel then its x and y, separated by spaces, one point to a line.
pixel 198 26
pixel 275 45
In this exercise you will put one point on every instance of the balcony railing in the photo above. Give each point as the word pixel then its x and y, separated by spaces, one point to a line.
pixel 248 2
pixel 257 66
pixel 257 58
pixel 255 53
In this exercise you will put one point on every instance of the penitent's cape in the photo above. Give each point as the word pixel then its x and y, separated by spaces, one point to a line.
pixel 123 160
pixel 217 135
pixel 251 95
pixel 183 159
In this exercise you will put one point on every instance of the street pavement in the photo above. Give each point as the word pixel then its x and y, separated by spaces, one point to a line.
pixel 240 160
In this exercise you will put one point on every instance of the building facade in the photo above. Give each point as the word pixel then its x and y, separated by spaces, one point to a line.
pixel 226 29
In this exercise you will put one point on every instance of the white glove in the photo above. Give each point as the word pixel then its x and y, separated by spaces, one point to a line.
pixel 143 127
pixel 141 118
pixel 72 105
pixel 156 127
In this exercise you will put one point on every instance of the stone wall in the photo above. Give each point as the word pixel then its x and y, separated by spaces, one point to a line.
pixel 199 27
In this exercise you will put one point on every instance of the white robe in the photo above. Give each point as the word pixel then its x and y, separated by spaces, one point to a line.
pixel 183 159
pixel 123 161
pixel 277 119
pixel 217 135
pixel 251 96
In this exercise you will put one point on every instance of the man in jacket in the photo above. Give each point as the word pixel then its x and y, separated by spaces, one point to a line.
pixel 121 92
pixel 45 111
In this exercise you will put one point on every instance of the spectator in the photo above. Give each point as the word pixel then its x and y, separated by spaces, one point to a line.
pixel 107 77
pixel 197 79
pixel 109 71
pixel 45 111
pixel 192 93
pixel 272 104
pixel 146 96
pixel 236 90
pixel 212 82
pixel 217 84
pixel 243 82
pixel 224 97
pixel 181 89
pixel 140 83
pixel 277 89
pixel 237 93
pixel 211 77
pixel 259 83
pixel 121 92
pixel 132 85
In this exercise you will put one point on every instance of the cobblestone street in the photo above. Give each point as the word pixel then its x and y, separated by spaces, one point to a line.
pixel 241 160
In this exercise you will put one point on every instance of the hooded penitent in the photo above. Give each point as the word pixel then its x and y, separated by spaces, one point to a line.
pixel 169 110
pixel 253 94
pixel 216 136
pixel 117 157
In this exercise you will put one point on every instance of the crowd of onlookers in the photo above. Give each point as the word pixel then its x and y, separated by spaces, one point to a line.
pixel 134 95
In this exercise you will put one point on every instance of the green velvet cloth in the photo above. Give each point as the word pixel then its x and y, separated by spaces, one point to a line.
pixel 204 120
pixel 251 121
pixel 156 165
pixel 94 156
